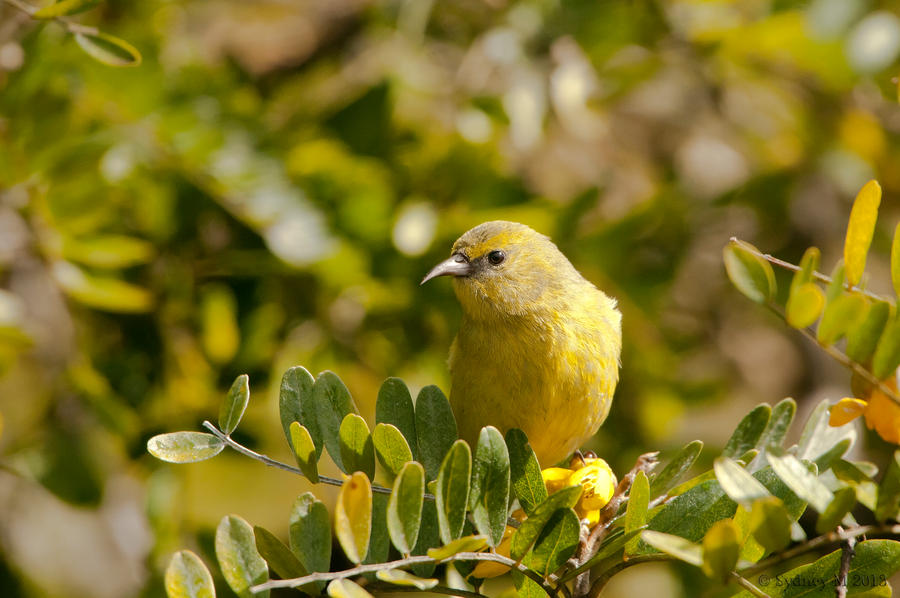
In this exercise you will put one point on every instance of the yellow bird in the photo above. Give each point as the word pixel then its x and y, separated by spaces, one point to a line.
pixel 538 347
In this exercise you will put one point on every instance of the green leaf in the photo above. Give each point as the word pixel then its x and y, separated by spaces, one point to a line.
pixel 310 533
pixel 721 548
pixel 101 292
pixel 452 491
pixel 750 274
pixel 64 8
pixel 844 500
pixel 332 403
pixel 184 447
pixel 836 287
pixel 353 517
pixel 841 315
pixel 220 332
pixel 235 404
pixel 404 512
pixel 525 472
pixel 676 546
pixel 611 546
pixel 296 404
pixel 818 437
pixel 804 305
pixel 770 523
pixel 793 504
pixel 108 49
pixel 888 504
pixel 277 555
pixel 866 490
pixel 489 495
pixel 556 543
pixel 464 544
pixel 860 229
pixel 800 480
pixel 188 577
pixel 737 482
pixel 862 340
pixel 873 563
pixel 691 513
pixel 357 449
pixel 304 451
pixel 528 532
pixel 527 587
pixel 435 428
pixel 824 461
pixel 380 538
pixel 240 562
pixel 391 448
pixel 106 251
pixel 809 263
pixel 394 406
pixel 675 468
pixel 344 588
pixel 748 432
pixel 428 538
pixel 399 577
pixel 779 423
pixel 887 352
pixel 636 510
pixel 895 260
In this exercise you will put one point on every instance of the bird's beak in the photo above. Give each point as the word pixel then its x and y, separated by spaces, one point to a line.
pixel 455 265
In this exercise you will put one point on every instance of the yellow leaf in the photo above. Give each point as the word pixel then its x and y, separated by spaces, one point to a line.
pixel 895 260
pixel 344 588
pixel 846 410
pixel 353 516
pixel 860 230
pixel 804 305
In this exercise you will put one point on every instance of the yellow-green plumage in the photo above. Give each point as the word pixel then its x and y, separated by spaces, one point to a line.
pixel 538 347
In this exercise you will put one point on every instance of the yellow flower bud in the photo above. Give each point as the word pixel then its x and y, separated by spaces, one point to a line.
pixel 556 478
pixel 599 483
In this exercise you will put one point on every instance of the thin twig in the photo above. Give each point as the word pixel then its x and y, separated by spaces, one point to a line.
pixel 847 554
pixel 278 464
pixel 448 591
pixel 71 26
pixel 747 585
pixel 408 561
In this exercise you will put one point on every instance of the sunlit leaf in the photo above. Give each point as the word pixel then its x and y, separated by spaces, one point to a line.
pixel 452 491
pixel 464 544
pixel 404 511
pixel 895 260
pixel 773 435
pixel 860 229
pixel 841 315
pixel 674 469
pixel 737 482
pixel 394 406
pixel 805 484
pixel 528 532
pixel 184 447
pixel 809 263
pixel 353 517
pixel 279 557
pixel 304 452
pixel 106 251
pixel 235 404
pixel 887 352
pixel 721 547
pixel 435 428
pixel 525 472
pixel 239 560
pixel 188 577
pixel 676 546
pixel 750 274
pixel 296 404
pixel 108 49
pixel 636 509
pixel 888 504
pixel 399 577
pixel 748 432
pixel 64 8
pixel 863 338
pixel 556 543
pixel 770 523
pixel 101 292
pixel 332 403
pixel 691 513
pixel 819 438
pixel 489 494
pixel 357 449
pixel 310 533
pixel 804 305
pixel 344 588
pixel 844 500
pixel 391 448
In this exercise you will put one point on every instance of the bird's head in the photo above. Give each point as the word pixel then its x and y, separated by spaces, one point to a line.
pixel 505 267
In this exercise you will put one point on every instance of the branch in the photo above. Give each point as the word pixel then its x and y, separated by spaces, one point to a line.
pixel 412 560
pixel 745 583
pixel 70 26
pixel 847 554
pixel 278 464
pixel 391 588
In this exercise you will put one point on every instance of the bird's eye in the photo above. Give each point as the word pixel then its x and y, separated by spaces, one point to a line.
pixel 496 257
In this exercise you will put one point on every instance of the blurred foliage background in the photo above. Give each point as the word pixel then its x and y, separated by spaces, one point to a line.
pixel 270 185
